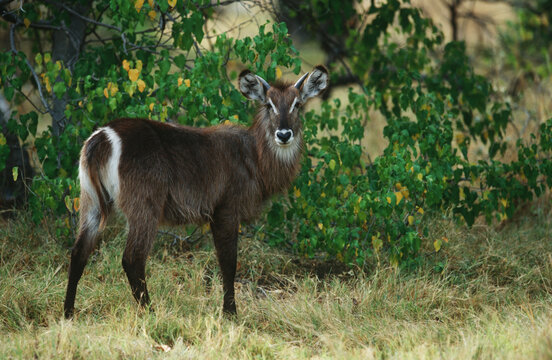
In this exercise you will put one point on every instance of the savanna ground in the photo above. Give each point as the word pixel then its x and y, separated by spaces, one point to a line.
pixel 485 294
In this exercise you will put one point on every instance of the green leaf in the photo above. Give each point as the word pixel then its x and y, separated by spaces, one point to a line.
pixel 59 89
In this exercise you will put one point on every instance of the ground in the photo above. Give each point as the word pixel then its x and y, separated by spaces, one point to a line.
pixel 485 294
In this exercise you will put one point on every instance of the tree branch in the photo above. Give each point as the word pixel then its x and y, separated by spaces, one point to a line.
pixel 35 76
pixel 219 3
pixel 82 17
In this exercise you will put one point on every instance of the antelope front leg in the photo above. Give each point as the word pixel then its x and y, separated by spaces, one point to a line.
pixel 225 236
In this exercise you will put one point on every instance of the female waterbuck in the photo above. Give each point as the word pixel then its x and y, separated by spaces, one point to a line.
pixel 157 173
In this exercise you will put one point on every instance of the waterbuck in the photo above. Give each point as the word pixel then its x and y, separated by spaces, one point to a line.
pixel 157 173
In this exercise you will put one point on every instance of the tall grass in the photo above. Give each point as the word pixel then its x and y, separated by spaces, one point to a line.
pixel 486 294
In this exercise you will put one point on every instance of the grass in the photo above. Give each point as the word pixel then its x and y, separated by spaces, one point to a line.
pixel 486 294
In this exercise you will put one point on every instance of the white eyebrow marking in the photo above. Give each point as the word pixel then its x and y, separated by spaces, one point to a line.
pixel 293 105
pixel 273 106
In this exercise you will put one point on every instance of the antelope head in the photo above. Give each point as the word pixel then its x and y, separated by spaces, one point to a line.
pixel 282 103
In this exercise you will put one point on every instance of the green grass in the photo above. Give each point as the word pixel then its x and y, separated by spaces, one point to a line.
pixel 486 294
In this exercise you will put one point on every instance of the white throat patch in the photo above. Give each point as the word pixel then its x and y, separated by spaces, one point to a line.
pixel 287 152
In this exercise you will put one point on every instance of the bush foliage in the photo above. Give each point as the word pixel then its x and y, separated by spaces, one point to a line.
pixel 343 204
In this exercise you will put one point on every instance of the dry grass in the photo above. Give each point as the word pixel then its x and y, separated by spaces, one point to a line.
pixel 492 300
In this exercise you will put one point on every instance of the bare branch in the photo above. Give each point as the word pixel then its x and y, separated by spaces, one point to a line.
pixel 35 76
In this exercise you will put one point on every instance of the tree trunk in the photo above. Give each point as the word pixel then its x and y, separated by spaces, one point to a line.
pixel 66 47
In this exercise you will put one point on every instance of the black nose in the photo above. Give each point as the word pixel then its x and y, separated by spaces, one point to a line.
pixel 283 135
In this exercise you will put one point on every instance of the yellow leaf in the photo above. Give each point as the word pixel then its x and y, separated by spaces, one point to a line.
pixel 106 94
pixel 133 74
pixel 332 164
pixel 278 73
pixel 377 243
pixel 113 90
pixel 47 84
pixel 398 186
pixel 486 194
pixel 187 82
pixel 15 172
pixel 437 244
pixel 421 211
pixel 76 204
pixel 462 194
pixel 126 65
pixel 297 192
pixel 388 199
pixel 323 195
pixel 47 58
pixel 141 85
pixel 27 22
pixel 410 220
pixel 151 106
pixel 420 176
pixel 150 2
pixel 399 197
pixel 139 65
pixel 321 226
pixel 227 122
pixel 405 193
pixel 68 203
pixel 460 138
pixel 138 5
pixel 152 14
pixel 172 3
pixel 236 117
pixel 180 81
pixel 2 139
pixel 504 202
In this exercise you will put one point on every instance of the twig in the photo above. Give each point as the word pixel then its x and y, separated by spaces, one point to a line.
pixel 198 50
pixel 29 100
pixel 219 3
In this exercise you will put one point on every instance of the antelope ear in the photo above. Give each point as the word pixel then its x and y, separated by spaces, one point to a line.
pixel 252 86
pixel 315 84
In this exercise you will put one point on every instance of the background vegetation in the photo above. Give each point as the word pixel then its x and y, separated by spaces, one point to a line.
pixel 431 244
